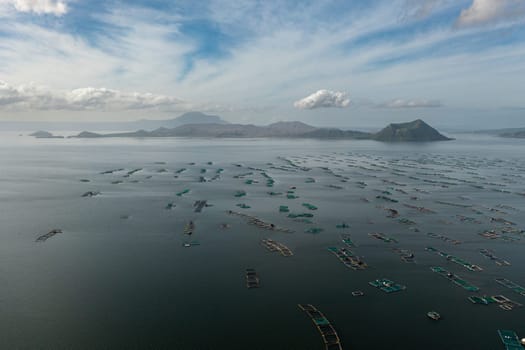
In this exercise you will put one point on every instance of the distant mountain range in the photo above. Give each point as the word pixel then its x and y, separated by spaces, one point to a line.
pixel 415 131
pixel 145 124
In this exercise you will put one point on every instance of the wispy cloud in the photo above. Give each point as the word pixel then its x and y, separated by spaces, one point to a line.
pixel 401 103
pixel 421 9
pixel 238 56
pixel 323 99
pixel 53 7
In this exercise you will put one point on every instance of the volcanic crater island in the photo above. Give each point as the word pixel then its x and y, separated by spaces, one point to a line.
pixel 196 124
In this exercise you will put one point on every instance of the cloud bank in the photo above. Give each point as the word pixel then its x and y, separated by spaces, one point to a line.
pixel 400 103
pixel 36 97
pixel 487 11
pixel 323 99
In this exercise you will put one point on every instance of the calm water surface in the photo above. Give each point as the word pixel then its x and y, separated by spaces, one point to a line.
pixel 118 276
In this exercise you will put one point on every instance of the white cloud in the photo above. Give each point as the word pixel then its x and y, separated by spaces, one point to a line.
pixel 137 58
pixel 421 9
pixel 323 98
pixel 487 11
pixel 400 103
pixel 54 7
pixel 37 97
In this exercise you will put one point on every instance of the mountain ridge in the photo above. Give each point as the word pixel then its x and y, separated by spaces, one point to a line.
pixel 110 126
pixel 415 131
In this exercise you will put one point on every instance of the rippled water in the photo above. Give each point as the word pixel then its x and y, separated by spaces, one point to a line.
pixel 119 277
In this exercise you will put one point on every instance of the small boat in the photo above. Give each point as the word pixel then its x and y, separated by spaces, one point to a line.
pixel 357 293
pixel 433 315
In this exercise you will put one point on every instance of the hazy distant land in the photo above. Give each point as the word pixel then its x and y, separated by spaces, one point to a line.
pixel 45 135
pixel 198 124
pixel 201 125
pixel 506 132
pixel 519 134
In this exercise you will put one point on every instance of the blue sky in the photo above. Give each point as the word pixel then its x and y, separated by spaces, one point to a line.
pixel 454 63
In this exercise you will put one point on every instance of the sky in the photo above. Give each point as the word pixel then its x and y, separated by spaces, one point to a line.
pixel 362 63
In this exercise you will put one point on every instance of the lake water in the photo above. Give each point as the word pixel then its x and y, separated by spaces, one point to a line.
pixel 119 277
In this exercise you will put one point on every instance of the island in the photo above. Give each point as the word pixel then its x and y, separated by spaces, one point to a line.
pixel 415 131
pixel 520 134
pixel 45 135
